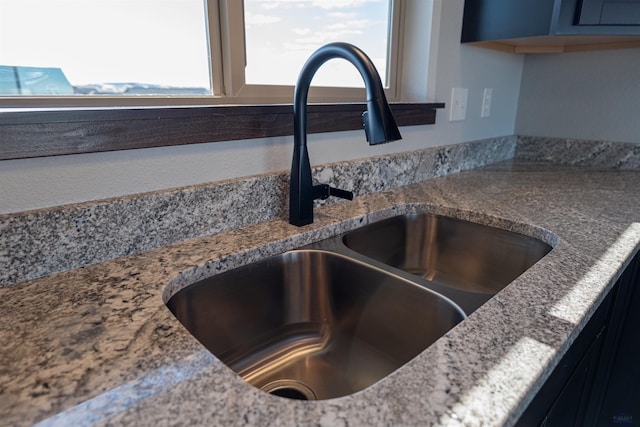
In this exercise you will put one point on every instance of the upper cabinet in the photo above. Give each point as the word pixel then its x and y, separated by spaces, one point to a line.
pixel 536 26
pixel 608 12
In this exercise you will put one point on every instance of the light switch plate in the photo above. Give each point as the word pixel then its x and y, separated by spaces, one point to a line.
pixel 487 94
pixel 459 98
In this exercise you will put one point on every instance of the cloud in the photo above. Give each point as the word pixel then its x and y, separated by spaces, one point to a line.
pixel 317 39
pixel 323 4
pixel 309 38
pixel 361 23
pixel 342 15
pixel 307 29
pixel 340 4
pixel 284 4
pixel 301 31
pixel 259 19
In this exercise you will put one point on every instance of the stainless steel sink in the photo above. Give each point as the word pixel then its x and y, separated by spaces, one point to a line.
pixel 333 318
pixel 452 253
pixel 311 324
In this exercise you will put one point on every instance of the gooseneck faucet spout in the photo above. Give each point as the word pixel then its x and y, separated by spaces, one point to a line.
pixel 379 127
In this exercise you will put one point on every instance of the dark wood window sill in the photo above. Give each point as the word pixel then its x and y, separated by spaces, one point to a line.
pixel 28 134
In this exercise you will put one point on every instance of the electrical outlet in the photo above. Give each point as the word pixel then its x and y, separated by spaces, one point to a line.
pixel 459 98
pixel 487 94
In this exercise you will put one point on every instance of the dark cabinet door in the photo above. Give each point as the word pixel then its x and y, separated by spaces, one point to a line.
pixel 563 399
pixel 570 407
pixel 609 12
pixel 506 19
pixel 616 399
pixel 597 382
pixel 491 20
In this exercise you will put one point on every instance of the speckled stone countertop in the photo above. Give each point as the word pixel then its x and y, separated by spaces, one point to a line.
pixel 97 345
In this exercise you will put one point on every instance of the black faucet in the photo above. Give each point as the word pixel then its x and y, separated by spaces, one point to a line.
pixel 379 127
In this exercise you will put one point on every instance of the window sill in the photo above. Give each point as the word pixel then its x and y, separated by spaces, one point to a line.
pixel 28 134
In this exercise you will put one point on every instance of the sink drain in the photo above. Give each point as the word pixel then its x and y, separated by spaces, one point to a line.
pixel 290 389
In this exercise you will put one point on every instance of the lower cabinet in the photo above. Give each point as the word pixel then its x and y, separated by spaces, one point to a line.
pixel 597 383
pixel 616 397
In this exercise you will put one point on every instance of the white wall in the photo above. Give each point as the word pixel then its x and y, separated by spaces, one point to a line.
pixel 43 182
pixel 582 95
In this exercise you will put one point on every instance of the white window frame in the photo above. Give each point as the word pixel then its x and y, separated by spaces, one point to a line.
pixel 227 61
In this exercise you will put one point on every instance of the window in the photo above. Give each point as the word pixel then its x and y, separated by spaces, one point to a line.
pixel 48 130
pixel 104 47
pixel 158 52
pixel 280 36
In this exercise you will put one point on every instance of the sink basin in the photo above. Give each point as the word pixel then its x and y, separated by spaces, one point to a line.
pixel 450 252
pixel 311 324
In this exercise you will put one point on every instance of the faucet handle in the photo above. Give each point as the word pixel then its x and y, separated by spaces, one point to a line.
pixel 324 191
pixel 343 194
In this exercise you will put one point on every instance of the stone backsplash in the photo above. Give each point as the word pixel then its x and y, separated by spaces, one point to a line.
pixel 37 243
pixel 580 152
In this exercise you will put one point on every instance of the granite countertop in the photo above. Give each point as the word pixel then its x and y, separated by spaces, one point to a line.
pixel 96 345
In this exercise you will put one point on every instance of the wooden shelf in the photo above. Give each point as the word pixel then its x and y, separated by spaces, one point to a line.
pixel 28 134
pixel 561 43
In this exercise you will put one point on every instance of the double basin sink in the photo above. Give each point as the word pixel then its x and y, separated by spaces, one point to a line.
pixel 332 318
